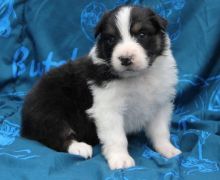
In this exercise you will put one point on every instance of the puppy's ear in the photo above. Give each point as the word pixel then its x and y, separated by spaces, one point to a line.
pixel 156 20
pixel 159 21
pixel 100 26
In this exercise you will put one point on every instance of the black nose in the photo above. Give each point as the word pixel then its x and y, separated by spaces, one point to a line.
pixel 125 61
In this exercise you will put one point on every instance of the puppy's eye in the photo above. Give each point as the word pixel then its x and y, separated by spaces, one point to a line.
pixel 110 40
pixel 141 35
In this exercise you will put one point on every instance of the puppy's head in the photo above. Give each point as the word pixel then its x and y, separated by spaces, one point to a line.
pixel 129 39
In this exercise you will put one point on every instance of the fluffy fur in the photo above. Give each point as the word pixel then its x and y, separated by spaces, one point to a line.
pixel 126 84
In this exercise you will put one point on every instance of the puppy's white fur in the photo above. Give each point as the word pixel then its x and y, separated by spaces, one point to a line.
pixel 94 57
pixel 81 149
pixel 123 22
pixel 139 102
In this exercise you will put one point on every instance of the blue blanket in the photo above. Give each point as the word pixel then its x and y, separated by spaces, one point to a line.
pixel 36 36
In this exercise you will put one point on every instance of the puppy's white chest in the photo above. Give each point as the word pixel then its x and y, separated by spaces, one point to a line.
pixel 128 99
pixel 133 101
pixel 139 107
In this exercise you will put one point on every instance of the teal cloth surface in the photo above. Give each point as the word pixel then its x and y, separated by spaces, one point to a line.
pixel 36 36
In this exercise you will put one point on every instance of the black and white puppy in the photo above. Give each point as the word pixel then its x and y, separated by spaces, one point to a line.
pixel 126 84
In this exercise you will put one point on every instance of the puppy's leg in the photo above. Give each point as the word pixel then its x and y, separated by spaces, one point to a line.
pixel 57 134
pixel 111 133
pixel 80 148
pixel 158 132
pixel 63 138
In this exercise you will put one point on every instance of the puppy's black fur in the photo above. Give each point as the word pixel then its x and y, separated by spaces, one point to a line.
pixel 54 112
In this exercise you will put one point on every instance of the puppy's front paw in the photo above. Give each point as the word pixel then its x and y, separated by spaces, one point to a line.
pixel 81 149
pixel 120 161
pixel 167 150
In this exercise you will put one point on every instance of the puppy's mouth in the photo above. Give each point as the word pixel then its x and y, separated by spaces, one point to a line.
pixel 129 70
pixel 133 69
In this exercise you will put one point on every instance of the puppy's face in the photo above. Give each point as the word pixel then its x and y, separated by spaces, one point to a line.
pixel 129 39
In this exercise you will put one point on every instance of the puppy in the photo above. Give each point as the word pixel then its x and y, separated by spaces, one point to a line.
pixel 124 85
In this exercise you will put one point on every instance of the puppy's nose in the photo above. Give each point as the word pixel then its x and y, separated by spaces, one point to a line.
pixel 125 61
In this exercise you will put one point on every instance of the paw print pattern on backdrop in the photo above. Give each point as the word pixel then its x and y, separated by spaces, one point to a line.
pixel 90 16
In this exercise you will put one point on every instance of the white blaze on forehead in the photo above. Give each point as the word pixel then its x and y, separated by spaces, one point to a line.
pixel 128 47
pixel 123 22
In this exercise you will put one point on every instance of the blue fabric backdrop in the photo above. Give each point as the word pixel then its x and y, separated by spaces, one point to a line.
pixel 36 36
